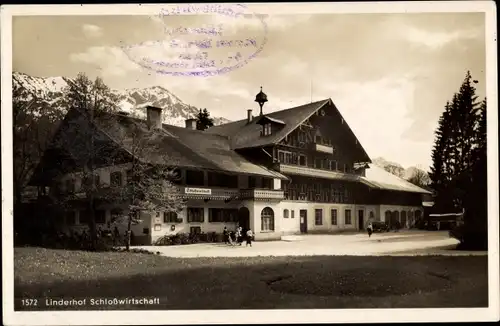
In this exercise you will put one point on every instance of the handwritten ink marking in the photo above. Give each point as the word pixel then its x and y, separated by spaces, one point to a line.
pixel 187 57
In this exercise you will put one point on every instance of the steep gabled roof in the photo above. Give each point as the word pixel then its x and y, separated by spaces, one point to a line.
pixel 177 146
pixel 379 178
pixel 247 135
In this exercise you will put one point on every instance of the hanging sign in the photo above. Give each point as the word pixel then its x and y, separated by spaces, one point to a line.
pixel 198 191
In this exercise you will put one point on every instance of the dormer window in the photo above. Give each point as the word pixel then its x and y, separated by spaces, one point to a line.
pixel 267 129
pixel 268 124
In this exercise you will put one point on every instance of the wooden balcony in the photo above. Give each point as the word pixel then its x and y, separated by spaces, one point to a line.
pixel 318 173
pixel 262 194
pixel 323 148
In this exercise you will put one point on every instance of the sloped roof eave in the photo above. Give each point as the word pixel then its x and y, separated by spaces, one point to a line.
pixel 381 186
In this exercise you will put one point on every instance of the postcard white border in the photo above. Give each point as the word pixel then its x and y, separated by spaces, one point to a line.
pixel 253 316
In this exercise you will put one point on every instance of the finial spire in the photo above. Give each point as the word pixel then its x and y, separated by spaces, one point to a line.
pixel 261 98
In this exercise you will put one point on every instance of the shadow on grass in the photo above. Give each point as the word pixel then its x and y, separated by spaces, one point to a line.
pixel 285 283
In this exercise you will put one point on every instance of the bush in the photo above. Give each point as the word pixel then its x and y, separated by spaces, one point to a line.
pixel 134 250
pixel 469 239
pixel 188 238
pixel 457 232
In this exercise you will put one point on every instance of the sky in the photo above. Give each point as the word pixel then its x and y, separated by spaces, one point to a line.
pixel 390 75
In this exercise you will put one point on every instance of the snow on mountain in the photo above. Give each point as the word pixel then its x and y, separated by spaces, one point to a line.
pixel 133 101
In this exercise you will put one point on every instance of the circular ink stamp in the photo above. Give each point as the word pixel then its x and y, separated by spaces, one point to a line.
pixel 228 37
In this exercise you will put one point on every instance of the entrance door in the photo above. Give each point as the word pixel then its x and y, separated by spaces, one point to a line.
pixel 361 219
pixel 244 218
pixel 303 221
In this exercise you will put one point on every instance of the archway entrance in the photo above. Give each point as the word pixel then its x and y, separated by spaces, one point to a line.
pixel 244 218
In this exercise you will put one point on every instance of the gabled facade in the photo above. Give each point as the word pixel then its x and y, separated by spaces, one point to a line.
pixel 299 170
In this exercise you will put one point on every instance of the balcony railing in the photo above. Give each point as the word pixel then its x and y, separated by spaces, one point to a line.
pixel 262 194
pixel 208 193
pixel 205 193
pixel 303 170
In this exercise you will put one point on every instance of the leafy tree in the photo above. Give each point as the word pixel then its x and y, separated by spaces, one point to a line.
pixel 395 169
pixel 34 122
pixel 86 100
pixel 151 184
pixel 203 120
pixel 419 178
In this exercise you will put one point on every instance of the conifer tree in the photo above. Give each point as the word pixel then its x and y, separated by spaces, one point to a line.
pixel 203 120
pixel 458 173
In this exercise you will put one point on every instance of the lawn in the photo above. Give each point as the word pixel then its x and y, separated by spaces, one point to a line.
pixel 251 283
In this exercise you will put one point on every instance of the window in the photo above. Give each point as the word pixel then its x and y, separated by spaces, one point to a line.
pixel 318 217
pixel 116 179
pixel 220 215
pixel 194 178
pixel 285 157
pixel 70 186
pixel 70 218
pixel 345 168
pixel 84 217
pixel 334 165
pixel 252 181
pixel 334 216
pixel 318 139
pixel 267 219
pixel 267 129
pixel 222 180
pixel 195 214
pixel 318 163
pixel 267 183
pixel 302 160
pixel 171 217
pixel 145 230
pixel 195 230
pixel 293 213
pixel 100 216
pixel 347 216
pixel 285 213
pixel 87 181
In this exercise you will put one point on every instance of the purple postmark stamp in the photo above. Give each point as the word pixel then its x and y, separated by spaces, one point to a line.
pixel 209 49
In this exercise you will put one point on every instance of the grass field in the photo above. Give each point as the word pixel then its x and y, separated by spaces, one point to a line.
pixel 250 283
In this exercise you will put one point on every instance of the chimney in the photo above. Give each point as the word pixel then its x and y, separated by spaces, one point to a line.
pixel 191 124
pixel 154 117
pixel 249 115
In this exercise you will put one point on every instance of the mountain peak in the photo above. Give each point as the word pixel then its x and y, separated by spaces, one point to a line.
pixel 133 100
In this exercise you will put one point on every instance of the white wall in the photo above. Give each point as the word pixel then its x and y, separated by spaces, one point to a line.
pixel 277 184
pixel 255 216
pixel 289 225
pixel 206 226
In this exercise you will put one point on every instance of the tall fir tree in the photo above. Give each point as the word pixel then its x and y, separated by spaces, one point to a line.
pixel 440 173
pixel 203 120
pixel 458 173
pixel 476 203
